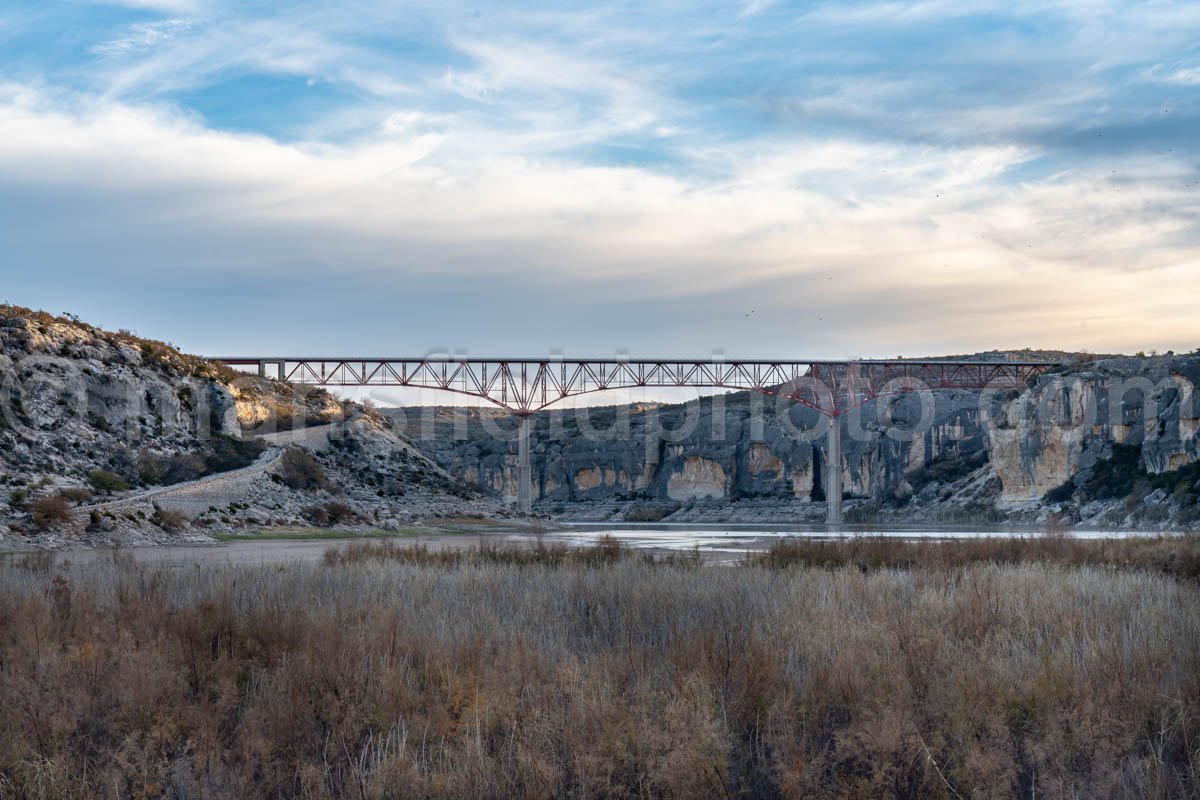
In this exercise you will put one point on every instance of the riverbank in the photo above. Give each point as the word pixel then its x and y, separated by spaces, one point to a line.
pixel 712 545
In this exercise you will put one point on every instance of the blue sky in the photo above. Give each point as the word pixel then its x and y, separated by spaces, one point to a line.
pixel 758 178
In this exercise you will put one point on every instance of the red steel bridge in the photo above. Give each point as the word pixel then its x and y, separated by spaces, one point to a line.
pixel 527 385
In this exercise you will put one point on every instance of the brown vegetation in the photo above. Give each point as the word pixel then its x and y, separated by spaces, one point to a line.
pixel 299 470
pixel 605 553
pixel 76 494
pixel 47 512
pixel 334 512
pixel 402 672
pixel 169 520
pixel 1174 555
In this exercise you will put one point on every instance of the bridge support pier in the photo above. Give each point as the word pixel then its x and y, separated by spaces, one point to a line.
pixel 833 473
pixel 524 471
pixel 278 365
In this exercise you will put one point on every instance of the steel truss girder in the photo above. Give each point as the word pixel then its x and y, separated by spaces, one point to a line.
pixel 524 386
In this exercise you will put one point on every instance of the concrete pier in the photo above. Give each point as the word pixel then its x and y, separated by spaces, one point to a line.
pixel 524 471
pixel 833 473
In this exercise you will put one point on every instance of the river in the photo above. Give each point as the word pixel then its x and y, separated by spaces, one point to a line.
pixel 716 543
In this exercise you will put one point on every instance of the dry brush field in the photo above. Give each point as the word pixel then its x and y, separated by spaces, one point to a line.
pixel 1066 669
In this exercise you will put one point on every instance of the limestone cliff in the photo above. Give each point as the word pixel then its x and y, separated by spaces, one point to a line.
pixel 739 447
pixel 1049 443
pixel 958 456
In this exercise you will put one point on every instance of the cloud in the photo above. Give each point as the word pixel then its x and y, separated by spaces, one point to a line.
pixel 800 227
pixel 612 176
pixel 164 6
pixel 752 7
pixel 1185 77
pixel 144 35
pixel 535 80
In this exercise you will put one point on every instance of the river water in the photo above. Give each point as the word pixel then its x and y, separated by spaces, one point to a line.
pixel 716 543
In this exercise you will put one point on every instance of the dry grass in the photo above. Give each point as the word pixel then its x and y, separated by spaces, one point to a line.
pixel 397 672
pixel 607 552
pixel 1176 555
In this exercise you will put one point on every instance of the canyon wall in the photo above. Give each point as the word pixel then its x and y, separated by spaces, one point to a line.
pixel 738 446
pixel 993 450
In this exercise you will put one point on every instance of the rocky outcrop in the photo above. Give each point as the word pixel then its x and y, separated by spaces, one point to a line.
pixel 1065 423
pixel 172 446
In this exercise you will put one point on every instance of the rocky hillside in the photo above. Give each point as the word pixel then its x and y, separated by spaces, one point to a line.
pixel 1106 442
pixel 109 437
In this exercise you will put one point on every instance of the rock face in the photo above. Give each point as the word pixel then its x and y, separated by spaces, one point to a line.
pixel 170 447
pixel 668 452
pixel 697 477
pixel 952 455
pixel 1066 423
pixel 740 446
pixel 76 396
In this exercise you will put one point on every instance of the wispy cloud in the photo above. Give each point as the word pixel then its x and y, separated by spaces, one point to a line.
pixel 164 6
pixel 628 169
pixel 752 7
pixel 144 35
pixel 1185 77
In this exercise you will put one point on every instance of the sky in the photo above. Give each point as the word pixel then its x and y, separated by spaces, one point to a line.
pixel 756 179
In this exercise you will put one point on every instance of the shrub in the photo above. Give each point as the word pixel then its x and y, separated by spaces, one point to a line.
pixel 226 453
pixel 170 469
pixel 649 512
pixel 17 498
pixel 945 470
pixel 1060 494
pixel 339 512
pixel 46 512
pixel 168 520
pixel 331 513
pixel 299 470
pixel 107 482
pixel 80 494
pixel 317 515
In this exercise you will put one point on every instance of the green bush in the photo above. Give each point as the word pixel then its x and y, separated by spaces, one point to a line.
pixel 1116 476
pixel 1061 494
pixel 107 482
pixel 226 453
pixel 169 469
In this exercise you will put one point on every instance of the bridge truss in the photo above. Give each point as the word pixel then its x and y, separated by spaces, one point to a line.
pixel 527 385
